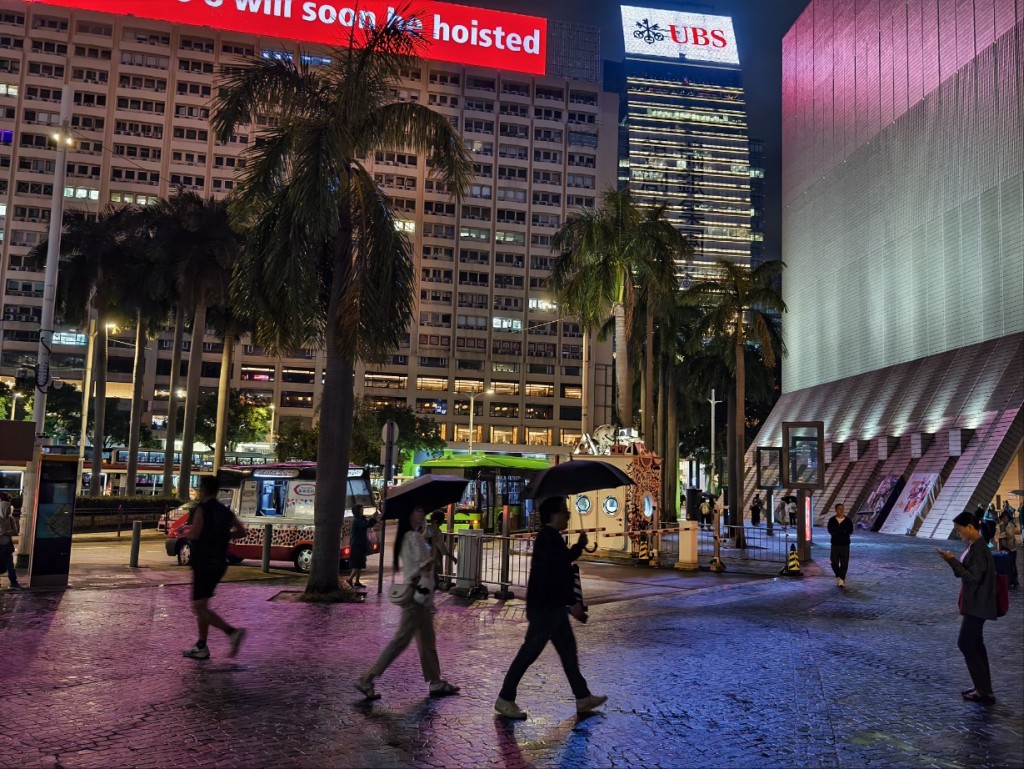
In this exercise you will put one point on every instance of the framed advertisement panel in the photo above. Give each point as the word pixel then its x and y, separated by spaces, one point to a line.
pixel 803 455
pixel 769 467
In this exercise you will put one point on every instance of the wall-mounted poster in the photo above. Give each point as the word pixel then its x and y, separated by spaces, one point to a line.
pixel 914 503
pixel 883 497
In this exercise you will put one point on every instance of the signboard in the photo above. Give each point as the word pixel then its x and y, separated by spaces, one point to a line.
pixel 769 467
pixel 914 503
pixel 803 455
pixel 471 36
pixel 659 34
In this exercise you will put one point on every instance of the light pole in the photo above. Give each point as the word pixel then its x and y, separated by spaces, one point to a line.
pixel 14 406
pixel 711 478
pixel 472 412
pixel 62 137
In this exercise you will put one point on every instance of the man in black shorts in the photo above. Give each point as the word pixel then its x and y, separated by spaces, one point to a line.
pixel 213 528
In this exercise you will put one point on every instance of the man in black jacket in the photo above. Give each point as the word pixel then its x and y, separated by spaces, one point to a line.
pixel 548 594
pixel 840 528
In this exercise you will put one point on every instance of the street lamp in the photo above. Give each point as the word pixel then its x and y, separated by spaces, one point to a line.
pixel 472 412
pixel 14 406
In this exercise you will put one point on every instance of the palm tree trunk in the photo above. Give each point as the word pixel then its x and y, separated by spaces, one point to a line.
pixel 195 368
pixel 99 409
pixel 138 371
pixel 623 381
pixel 333 446
pixel 223 393
pixel 648 420
pixel 172 400
pixel 739 438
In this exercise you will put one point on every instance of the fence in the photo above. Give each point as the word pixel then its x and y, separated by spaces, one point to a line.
pixel 762 544
pixel 519 549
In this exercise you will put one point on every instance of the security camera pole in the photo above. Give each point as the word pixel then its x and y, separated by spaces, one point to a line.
pixel 62 136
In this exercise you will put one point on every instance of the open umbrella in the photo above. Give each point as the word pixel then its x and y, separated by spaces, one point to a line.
pixel 575 477
pixel 708 495
pixel 789 498
pixel 428 491
pixel 1018 492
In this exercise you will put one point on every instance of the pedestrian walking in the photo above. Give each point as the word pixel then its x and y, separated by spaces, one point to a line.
pixel 359 544
pixel 550 599
pixel 976 569
pixel 434 535
pixel 840 529
pixel 705 514
pixel 988 524
pixel 1008 541
pixel 213 526
pixel 791 512
pixel 9 529
pixel 755 510
pixel 417 621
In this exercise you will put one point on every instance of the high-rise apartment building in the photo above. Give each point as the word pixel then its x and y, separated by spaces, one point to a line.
pixel 683 131
pixel 903 232
pixel 542 145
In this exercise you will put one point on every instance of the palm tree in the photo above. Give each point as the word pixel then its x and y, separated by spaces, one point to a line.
pixel 736 311
pixel 327 262
pixel 608 257
pixel 92 259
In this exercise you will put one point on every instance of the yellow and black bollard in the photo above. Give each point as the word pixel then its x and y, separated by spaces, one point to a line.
pixel 792 567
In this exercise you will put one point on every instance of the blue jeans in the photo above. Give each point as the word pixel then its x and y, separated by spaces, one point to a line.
pixel 7 562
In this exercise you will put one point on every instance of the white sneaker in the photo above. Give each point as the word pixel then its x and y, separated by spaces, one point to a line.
pixel 842 582
pixel 590 703
pixel 196 653
pixel 839 582
pixel 235 638
pixel 509 709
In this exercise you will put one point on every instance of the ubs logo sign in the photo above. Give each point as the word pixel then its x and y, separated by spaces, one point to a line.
pixel 651 32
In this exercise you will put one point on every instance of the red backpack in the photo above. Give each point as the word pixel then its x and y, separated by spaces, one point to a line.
pixel 1002 595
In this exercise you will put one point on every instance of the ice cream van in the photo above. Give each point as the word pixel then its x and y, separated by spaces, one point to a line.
pixel 281 494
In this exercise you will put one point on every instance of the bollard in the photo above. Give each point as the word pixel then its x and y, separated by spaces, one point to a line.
pixel 120 519
pixel 506 542
pixel 133 559
pixel 268 533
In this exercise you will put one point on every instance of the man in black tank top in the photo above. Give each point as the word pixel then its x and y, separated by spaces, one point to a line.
pixel 213 528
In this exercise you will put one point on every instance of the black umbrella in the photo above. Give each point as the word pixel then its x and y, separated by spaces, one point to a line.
pixel 789 498
pixel 708 495
pixel 428 491
pixel 575 477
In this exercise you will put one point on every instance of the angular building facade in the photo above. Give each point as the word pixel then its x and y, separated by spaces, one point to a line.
pixel 903 232
pixel 542 144
pixel 683 131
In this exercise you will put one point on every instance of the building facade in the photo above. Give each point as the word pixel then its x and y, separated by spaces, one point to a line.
pixel 484 319
pixel 683 132
pixel 903 233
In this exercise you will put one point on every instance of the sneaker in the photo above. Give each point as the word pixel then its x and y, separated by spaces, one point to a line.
pixel 590 703
pixel 509 709
pixel 197 653
pixel 839 582
pixel 15 586
pixel 842 583
pixel 235 638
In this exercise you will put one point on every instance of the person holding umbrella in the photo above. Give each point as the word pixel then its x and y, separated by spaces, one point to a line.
pixel 411 552
pixel 549 602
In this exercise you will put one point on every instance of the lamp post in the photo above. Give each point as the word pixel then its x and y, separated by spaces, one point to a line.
pixel 711 478
pixel 14 406
pixel 472 412
pixel 62 137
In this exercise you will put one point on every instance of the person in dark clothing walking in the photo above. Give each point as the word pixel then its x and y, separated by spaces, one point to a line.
pixel 213 528
pixel 549 592
pixel 977 571
pixel 840 528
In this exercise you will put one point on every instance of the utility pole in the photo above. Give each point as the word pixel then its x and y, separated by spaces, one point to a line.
pixel 62 136
pixel 711 478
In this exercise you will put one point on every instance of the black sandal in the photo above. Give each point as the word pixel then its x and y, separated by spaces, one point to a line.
pixel 981 699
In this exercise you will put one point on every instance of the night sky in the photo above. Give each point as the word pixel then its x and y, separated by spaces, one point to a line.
pixel 760 26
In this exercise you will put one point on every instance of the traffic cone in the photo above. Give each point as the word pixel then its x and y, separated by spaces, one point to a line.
pixel 642 553
pixel 792 567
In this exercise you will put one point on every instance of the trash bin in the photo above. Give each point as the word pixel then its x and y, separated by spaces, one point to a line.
pixel 470 552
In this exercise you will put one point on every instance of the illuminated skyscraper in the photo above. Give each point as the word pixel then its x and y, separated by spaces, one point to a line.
pixel 683 139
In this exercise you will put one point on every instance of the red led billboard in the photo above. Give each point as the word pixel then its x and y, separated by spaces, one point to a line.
pixel 456 33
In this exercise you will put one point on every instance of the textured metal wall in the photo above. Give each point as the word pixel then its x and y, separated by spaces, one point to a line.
pixel 903 226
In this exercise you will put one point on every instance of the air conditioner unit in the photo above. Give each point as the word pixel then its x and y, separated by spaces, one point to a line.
pixel 26 318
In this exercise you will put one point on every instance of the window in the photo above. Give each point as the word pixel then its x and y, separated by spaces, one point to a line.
pixel 473 278
pixel 474 233
pixel 386 381
pixel 251 373
pixel 547 113
pixel 547 156
pixel 439 253
pixel 296 400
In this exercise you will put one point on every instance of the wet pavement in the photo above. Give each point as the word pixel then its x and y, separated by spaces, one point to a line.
pixel 702 670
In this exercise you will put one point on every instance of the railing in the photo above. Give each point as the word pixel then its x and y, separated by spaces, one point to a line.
pixel 762 544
